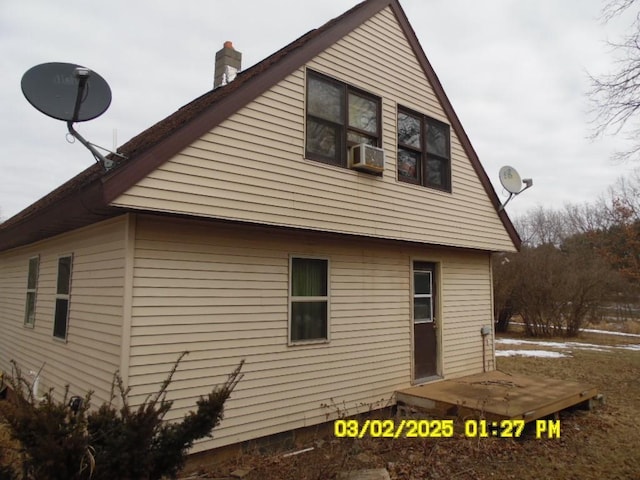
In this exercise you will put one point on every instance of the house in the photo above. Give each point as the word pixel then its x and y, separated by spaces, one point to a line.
pixel 236 229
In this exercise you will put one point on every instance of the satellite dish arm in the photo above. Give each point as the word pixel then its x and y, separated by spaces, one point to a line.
pixel 528 184
pixel 511 195
pixel 82 74
pixel 106 163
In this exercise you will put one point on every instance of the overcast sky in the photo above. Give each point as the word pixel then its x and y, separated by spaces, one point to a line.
pixel 515 71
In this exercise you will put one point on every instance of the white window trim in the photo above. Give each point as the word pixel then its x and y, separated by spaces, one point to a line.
pixel 292 299
pixel 62 296
pixel 424 295
pixel 34 291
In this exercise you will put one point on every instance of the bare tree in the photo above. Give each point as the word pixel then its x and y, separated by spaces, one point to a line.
pixel 616 96
pixel 554 290
pixel 587 217
pixel 542 226
pixel 625 192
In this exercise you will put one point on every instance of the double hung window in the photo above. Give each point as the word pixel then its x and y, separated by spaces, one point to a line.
pixel 338 117
pixel 424 151
pixel 309 299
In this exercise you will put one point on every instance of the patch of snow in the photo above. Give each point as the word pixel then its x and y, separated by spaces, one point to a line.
pixel 606 332
pixel 560 345
pixel 633 347
pixel 565 345
pixel 530 353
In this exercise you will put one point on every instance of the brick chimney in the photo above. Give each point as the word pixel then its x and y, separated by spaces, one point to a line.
pixel 227 65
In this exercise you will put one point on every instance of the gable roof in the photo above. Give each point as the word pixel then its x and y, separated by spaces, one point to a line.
pixel 86 198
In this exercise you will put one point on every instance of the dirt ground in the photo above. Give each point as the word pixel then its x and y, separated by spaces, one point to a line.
pixel 597 444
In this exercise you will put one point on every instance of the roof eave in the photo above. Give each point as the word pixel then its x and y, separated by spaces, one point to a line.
pixel 84 207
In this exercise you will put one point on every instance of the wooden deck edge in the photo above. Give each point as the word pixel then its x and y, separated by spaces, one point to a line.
pixel 557 405
pixel 411 404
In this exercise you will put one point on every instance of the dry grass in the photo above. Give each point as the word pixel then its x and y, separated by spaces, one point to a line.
pixel 623 326
pixel 631 326
pixel 9 456
pixel 603 443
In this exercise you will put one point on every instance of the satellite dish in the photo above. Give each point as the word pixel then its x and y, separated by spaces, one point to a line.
pixel 512 183
pixel 71 93
pixel 510 179
pixel 66 91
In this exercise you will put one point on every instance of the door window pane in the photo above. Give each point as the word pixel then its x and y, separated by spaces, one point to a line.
pixel 423 292
pixel 422 310
pixel 422 283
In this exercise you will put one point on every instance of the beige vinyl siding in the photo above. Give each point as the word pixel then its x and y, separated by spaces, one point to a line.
pixel 220 292
pixel 467 308
pixel 252 166
pixel 91 354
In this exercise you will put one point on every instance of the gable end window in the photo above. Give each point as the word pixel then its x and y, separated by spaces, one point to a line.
pixel 308 299
pixel 338 117
pixel 424 151
pixel 32 288
pixel 63 290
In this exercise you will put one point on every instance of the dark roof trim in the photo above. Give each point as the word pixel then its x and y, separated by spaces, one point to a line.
pixel 84 207
pixel 455 121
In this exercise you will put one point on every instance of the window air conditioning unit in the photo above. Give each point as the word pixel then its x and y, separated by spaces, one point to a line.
pixel 367 158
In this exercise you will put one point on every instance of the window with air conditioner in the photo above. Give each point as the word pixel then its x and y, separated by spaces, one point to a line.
pixel 339 116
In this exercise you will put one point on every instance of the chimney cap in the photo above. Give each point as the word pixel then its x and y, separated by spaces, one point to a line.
pixel 228 44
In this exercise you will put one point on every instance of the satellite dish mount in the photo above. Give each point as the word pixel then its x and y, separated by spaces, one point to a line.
pixel 71 93
pixel 512 183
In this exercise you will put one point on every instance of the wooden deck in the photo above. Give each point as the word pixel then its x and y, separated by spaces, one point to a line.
pixel 496 396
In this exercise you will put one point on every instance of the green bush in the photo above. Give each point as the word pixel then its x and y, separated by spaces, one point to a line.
pixel 112 442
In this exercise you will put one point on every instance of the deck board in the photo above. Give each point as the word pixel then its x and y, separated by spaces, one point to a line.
pixel 497 395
